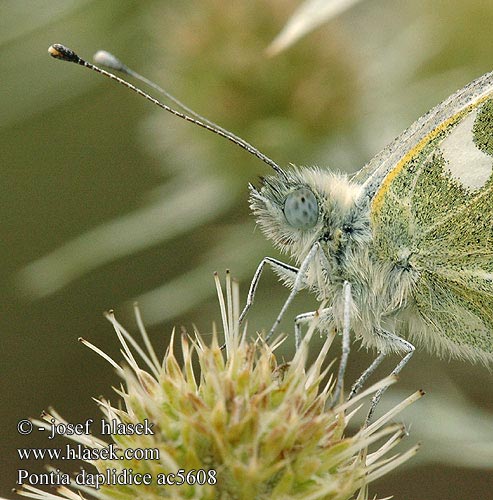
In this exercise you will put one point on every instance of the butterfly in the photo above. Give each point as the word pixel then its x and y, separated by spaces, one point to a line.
pixel 405 245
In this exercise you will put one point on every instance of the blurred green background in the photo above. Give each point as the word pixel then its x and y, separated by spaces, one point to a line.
pixel 106 200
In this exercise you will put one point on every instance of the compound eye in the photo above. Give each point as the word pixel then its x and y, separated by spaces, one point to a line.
pixel 301 209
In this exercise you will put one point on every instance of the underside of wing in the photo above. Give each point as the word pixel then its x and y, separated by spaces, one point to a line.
pixel 434 214
pixel 373 173
pixel 455 314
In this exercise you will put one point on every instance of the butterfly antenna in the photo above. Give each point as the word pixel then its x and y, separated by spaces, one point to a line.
pixel 63 53
pixel 110 61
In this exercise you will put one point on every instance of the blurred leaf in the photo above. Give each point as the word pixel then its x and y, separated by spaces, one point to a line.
pixel 309 16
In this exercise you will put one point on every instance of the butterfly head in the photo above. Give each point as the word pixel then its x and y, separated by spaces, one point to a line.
pixel 303 207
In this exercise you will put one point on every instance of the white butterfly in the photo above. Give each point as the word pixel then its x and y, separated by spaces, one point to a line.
pixel 411 233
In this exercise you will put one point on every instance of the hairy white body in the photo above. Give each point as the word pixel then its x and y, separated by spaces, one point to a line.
pixel 380 290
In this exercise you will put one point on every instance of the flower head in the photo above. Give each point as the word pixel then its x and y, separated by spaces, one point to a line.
pixel 236 422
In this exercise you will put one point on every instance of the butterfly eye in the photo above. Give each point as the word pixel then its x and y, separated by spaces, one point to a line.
pixel 301 209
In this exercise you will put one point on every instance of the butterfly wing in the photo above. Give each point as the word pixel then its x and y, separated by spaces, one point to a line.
pixel 373 173
pixel 431 195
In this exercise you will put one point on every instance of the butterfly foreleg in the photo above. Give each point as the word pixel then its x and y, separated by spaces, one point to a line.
pixel 284 270
pixel 298 284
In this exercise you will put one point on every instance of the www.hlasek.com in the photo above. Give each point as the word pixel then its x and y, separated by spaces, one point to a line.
pixel 110 476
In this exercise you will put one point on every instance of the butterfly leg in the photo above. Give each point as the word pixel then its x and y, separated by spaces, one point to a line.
pixel 285 270
pixel 291 273
pixel 402 345
pixel 325 314
pixel 297 286
pixel 306 318
pixel 364 376
pixel 346 341
pixel 302 319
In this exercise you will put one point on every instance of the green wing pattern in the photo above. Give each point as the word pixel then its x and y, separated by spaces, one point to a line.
pixel 445 231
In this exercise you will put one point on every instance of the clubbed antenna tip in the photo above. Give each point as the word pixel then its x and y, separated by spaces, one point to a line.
pixel 59 51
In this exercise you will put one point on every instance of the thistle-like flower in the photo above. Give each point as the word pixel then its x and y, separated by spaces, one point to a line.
pixel 232 424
